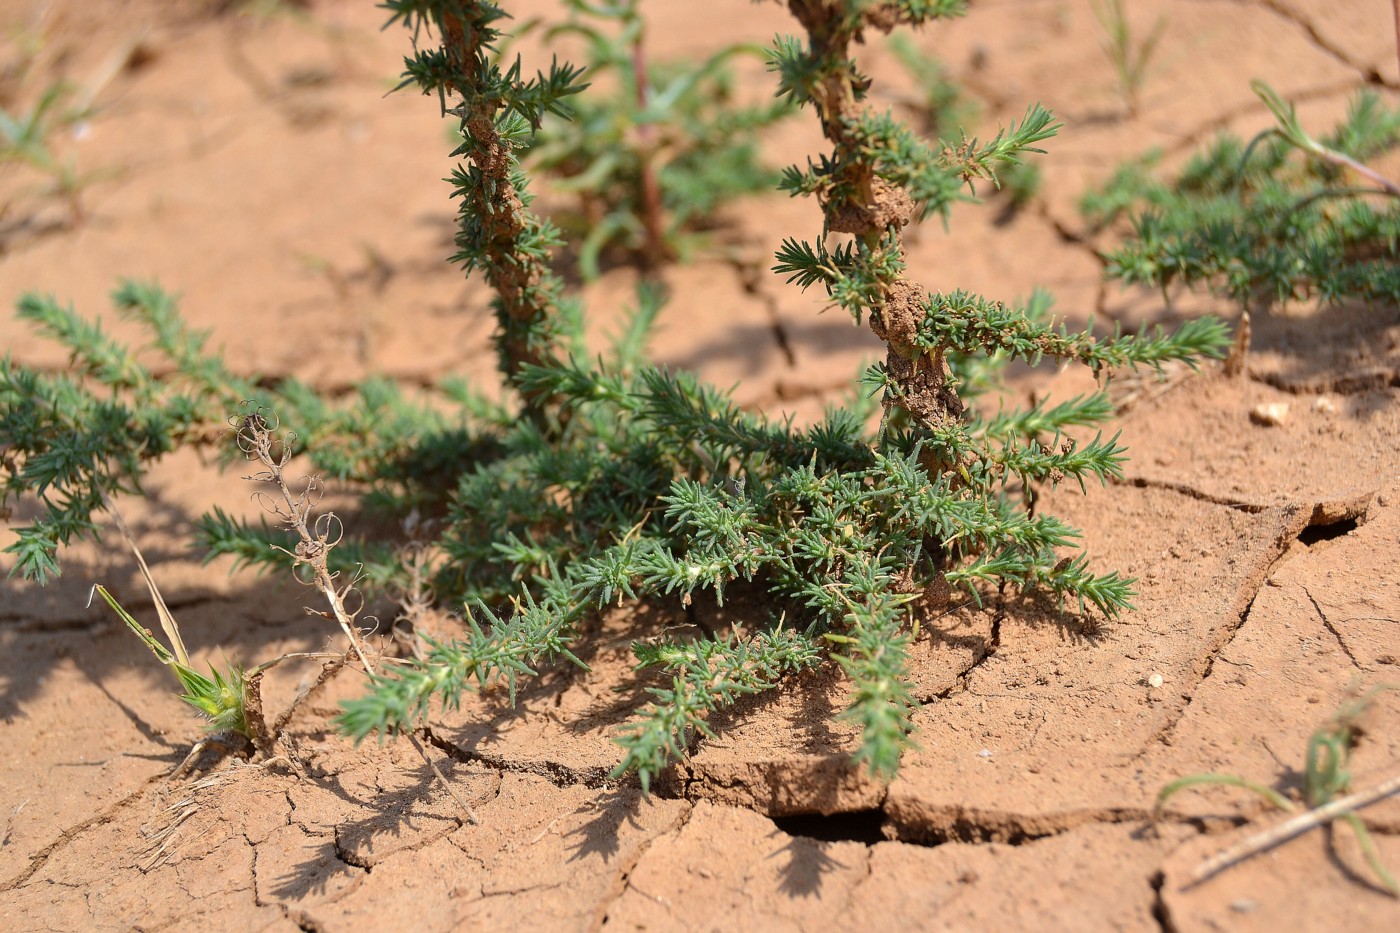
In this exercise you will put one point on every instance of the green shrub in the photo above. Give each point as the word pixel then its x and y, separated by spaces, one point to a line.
pixel 1276 220
pixel 608 480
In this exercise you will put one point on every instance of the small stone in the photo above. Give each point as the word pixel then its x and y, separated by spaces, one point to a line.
pixel 985 753
pixel 1155 681
pixel 1323 404
pixel 1243 905
pixel 1271 415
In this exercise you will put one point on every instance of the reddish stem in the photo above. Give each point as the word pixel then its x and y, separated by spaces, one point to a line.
pixel 654 249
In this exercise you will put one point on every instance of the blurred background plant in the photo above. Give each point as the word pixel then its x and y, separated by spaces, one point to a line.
pixel 38 131
pixel 1284 217
pixel 943 111
pixel 657 150
pixel 27 139
pixel 1131 59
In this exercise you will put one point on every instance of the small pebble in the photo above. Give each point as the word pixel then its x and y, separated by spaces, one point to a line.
pixel 985 753
pixel 1325 405
pixel 1243 905
pixel 1271 415
pixel 1155 681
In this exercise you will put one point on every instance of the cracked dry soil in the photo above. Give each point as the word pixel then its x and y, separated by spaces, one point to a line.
pixel 259 171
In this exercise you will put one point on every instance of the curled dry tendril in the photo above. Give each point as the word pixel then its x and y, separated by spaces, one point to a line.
pixel 318 534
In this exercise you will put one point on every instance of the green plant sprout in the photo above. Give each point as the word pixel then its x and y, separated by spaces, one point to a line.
pixel 946 112
pixel 1286 115
pixel 218 697
pixel 1131 60
pixel 27 139
pixel 1326 777
pixel 603 480
pixel 654 159
pixel 1269 222
pixel 231 701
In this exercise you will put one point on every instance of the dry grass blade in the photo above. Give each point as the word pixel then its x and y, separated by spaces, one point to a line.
pixel 1296 826
pixel 167 619
pixel 161 839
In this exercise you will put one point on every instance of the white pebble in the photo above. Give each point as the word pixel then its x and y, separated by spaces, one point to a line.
pixel 1271 415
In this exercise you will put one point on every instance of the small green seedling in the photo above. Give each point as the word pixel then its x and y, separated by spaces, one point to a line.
pixel 652 161
pixel 1326 777
pixel 1286 113
pixel 27 139
pixel 1130 59
pixel 220 697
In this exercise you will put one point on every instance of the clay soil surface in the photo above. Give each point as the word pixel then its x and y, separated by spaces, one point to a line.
pixel 254 164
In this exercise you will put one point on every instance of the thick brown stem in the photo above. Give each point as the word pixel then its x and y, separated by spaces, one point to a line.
pixel 521 281
pixel 875 211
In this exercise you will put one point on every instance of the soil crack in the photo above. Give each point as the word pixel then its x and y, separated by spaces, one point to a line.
pixel 40 858
pixel 1191 492
pixel 1265 568
pixel 934 826
pixel 866 827
pixel 752 280
pixel 1327 623
pixel 1343 512
pixel 1371 75
pixel 348 856
pixel 1160 913
pixel 557 773
pixel 1343 384
pixel 979 657
pixel 623 879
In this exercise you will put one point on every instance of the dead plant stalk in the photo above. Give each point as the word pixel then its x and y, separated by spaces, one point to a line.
pixel 1296 826
pixel 318 536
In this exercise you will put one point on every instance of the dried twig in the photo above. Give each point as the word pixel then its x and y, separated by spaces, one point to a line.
pixel 319 535
pixel 1288 829
pixel 442 779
